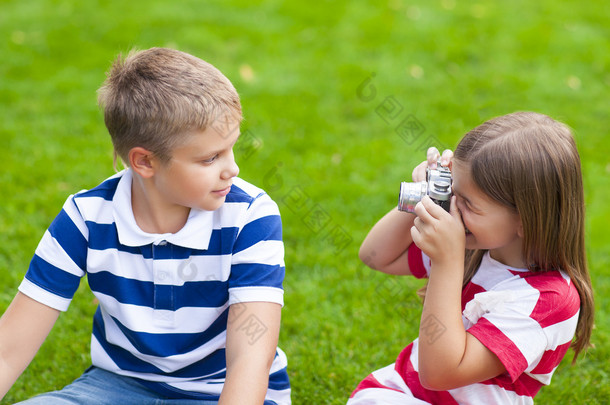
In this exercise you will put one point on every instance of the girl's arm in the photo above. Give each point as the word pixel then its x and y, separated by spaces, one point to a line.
pixel 449 357
pixel 23 327
pixel 385 246
pixel 252 334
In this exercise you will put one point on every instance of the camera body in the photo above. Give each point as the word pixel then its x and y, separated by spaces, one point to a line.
pixel 437 186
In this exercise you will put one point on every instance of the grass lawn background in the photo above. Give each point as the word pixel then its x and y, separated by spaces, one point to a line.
pixel 341 98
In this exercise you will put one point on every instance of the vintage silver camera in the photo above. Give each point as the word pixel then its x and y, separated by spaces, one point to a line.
pixel 437 186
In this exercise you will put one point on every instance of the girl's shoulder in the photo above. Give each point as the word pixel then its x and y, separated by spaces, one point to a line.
pixel 558 298
pixel 493 275
pixel 548 297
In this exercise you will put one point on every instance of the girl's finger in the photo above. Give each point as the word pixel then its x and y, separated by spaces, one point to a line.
pixel 432 156
pixel 432 210
pixel 453 209
pixel 415 235
pixel 421 210
pixel 419 173
pixel 446 157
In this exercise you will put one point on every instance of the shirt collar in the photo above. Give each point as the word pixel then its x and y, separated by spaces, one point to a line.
pixel 195 234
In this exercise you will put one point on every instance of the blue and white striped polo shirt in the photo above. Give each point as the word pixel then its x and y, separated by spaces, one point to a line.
pixel 164 298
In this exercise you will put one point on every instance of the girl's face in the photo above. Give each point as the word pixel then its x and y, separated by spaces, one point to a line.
pixel 489 225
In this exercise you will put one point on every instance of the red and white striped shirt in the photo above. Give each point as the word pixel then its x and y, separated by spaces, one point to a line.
pixel 527 319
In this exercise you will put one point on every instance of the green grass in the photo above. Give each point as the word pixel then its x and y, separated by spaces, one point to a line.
pixel 323 146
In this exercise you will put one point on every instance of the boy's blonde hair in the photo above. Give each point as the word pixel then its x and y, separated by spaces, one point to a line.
pixel 529 163
pixel 153 97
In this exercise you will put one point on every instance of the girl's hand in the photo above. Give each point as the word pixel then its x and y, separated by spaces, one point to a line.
pixel 440 235
pixel 432 156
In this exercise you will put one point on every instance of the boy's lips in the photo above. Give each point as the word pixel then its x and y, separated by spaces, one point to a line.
pixel 223 191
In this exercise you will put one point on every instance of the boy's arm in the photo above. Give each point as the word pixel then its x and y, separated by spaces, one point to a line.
pixel 23 328
pixel 252 334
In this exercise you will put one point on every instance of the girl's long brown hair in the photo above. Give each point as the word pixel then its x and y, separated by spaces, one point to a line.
pixel 529 163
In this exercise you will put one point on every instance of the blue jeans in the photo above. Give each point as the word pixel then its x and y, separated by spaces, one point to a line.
pixel 101 387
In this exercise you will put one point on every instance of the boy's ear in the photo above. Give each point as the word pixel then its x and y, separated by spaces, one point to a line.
pixel 141 161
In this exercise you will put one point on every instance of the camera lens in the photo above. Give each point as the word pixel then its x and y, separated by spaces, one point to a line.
pixel 410 195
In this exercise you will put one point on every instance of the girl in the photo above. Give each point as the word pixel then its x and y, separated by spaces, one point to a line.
pixel 508 287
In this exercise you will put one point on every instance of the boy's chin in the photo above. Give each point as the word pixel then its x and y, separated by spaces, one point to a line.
pixel 212 205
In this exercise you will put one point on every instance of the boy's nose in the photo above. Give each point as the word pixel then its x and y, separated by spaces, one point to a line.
pixel 232 170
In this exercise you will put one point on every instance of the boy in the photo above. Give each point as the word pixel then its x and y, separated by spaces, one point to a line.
pixel 185 258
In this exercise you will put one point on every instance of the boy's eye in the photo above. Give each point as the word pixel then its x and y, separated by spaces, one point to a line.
pixel 210 160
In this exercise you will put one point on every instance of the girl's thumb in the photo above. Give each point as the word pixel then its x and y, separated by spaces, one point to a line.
pixel 453 209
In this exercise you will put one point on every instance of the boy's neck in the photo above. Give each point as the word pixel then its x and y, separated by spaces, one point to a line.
pixel 151 211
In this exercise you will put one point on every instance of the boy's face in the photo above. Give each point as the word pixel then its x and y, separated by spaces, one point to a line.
pixel 201 169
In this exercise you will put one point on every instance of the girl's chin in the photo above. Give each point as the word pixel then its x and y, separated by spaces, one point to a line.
pixel 470 241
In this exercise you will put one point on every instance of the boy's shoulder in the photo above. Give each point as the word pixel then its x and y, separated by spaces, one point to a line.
pixel 244 192
pixel 105 189
pixel 96 204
